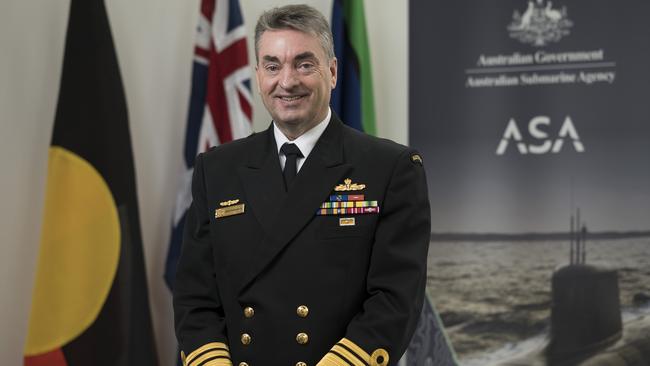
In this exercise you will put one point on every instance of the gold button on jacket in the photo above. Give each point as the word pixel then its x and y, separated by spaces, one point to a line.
pixel 301 363
pixel 243 364
pixel 302 311
pixel 246 339
pixel 249 312
pixel 302 338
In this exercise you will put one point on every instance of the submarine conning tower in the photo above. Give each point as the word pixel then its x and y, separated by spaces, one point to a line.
pixel 585 312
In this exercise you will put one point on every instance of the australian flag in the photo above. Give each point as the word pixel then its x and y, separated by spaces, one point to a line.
pixel 220 107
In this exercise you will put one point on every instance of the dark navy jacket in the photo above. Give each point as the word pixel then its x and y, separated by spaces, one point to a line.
pixel 243 277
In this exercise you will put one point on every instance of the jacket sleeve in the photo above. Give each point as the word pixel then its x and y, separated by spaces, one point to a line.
pixel 379 334
pixel 198 313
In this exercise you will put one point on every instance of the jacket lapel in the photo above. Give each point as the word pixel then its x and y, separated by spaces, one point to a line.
pixel 262 180
pixel 322 170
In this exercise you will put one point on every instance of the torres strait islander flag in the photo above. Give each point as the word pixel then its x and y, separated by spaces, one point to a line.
pixel 90 304
pixel 220 107
pixel 352 99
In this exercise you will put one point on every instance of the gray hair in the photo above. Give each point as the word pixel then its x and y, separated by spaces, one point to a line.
pixel 302 18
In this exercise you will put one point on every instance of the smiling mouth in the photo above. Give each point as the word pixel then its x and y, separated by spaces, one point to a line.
pixel 291 98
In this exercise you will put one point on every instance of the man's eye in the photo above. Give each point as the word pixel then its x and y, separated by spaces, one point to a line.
pixel 306 66
pixel 271 68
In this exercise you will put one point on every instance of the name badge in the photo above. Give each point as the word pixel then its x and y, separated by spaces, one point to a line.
pixel 347 221
pixel 229 211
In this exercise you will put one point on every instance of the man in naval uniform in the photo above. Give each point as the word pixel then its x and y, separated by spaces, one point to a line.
pixel 305 244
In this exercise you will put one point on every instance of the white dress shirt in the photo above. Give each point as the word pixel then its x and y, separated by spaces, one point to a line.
pixel 305 142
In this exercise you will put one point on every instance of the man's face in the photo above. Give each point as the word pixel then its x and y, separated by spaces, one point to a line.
pixel 295 78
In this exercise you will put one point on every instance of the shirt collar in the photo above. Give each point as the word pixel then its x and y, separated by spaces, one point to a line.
pixel 307 140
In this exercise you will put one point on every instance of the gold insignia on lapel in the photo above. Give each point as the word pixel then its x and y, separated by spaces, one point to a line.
pixel 349 186
pixel 416 159
pixel 228 203
pixel 229 211
pixel 347 221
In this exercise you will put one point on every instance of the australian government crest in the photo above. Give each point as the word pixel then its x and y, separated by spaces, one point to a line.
pixel 540 23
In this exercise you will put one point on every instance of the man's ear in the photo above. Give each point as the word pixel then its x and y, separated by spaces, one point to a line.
pixel 334 70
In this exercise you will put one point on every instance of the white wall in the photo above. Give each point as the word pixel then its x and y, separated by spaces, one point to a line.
pixel 154 41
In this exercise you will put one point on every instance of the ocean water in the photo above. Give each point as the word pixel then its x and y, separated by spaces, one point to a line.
pixel 494 297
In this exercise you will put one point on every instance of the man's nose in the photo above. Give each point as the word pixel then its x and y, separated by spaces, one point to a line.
pixel 288 78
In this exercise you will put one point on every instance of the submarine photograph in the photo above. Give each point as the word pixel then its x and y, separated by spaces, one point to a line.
pixel 541 300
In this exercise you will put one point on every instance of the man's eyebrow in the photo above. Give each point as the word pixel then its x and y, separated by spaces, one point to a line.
pixel 300 57
pixel 268 58
pixel 305 55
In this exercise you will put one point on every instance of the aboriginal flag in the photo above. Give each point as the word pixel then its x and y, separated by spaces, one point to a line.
pixel 90 304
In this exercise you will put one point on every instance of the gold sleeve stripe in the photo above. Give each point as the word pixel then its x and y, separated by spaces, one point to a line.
pixel 333 359
pixel 348 355
pixel 214 346
pixel 218 361
pixel 362 355
pixel 205 357
pixel 201 358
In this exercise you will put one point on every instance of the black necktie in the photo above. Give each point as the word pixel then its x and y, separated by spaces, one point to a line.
pixel 292 152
